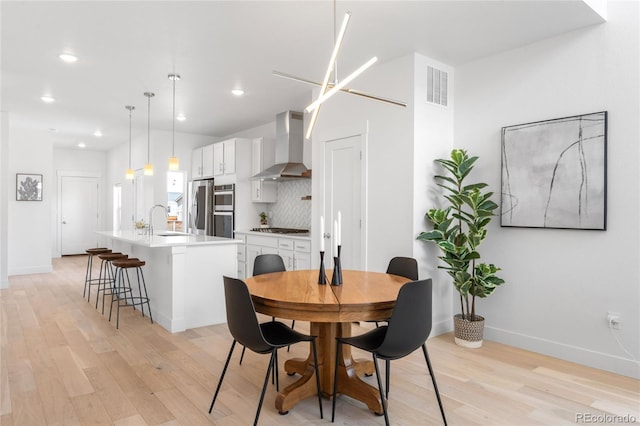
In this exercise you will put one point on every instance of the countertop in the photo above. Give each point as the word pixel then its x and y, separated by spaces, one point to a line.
pixel 175 239
pixel 304 237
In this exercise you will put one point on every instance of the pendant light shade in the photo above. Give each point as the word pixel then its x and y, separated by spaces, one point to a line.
pixel 174 164
pixel 130 173
pixel 148 168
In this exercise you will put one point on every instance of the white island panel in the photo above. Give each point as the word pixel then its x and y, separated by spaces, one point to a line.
pixel 183 277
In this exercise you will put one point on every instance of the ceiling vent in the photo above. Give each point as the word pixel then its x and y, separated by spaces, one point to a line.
pixel 437 81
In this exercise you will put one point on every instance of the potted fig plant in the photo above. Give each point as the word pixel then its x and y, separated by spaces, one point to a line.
pixel 458 230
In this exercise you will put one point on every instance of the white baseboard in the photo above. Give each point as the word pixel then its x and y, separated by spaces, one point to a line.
pixel 441 327
pixel 4 284
pixel 43 269
pixel 615 364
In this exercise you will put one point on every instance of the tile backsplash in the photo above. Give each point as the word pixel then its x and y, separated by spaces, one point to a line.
pixel 290 211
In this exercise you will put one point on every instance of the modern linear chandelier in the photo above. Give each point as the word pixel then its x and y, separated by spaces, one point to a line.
pixel 328 89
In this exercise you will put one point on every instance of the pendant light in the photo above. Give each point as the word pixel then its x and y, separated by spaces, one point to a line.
pixel 130 173
pixel 328 89
pixel 148 168
pixel 174 164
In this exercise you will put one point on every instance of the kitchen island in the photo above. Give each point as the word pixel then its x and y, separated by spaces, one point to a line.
pixel 183 274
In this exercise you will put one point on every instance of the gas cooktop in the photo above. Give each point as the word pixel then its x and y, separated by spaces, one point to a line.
pixel 280 230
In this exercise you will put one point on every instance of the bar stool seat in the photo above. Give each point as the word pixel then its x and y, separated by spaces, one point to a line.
pixel 109 275
pixel 123 290
pixel 88 279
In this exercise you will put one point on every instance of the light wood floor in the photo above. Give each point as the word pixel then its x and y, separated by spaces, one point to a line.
pixel 64 363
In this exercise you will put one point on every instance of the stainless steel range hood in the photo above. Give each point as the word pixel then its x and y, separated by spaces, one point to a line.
pixel 289 149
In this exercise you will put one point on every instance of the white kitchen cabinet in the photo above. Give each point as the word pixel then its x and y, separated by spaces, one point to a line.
pixel 301 254
pixel 296 253
pixel 257 245
pixel 202 162
pixel 196 163
pixel 224 158
pixel 242 256
pixel 262 156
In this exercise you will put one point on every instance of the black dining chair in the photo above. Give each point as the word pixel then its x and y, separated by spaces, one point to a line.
pixel 262 338
pixel 408 329
pixel 265 264
pixel 403 266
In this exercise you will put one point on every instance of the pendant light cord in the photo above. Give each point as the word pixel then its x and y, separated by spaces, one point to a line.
pixel 173 132
pixel 148 126
pixel 130 108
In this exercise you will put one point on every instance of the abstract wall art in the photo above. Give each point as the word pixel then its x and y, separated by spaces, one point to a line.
pixel 554 173
pixel 28 187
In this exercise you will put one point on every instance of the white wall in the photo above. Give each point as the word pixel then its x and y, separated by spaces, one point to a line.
pixel 433 138
pixel 29 222
pixel 561 283
pixel 4 198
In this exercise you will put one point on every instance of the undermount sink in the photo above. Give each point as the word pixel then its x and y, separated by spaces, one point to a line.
pixel 173 234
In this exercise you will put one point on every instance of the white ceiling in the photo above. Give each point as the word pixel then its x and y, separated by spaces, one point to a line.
pixel 127 48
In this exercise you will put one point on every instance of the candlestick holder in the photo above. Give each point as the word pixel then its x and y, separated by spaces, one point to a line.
pixel 336 279
pixel 322 277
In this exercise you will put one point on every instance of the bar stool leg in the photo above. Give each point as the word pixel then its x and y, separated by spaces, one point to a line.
pixel 143 299
pixel 87 275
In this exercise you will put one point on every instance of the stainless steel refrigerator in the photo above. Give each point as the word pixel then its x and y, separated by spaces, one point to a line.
pixel 201 207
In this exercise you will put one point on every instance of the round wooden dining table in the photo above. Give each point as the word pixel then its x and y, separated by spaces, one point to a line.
pixel 330 310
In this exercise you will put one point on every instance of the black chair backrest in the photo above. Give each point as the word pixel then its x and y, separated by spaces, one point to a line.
pixel 404 266
pixel 241 316
pixel 266 263
pixel 410 323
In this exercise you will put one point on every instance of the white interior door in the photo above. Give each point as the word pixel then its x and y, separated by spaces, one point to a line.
pixel 78 214
pixel 342 187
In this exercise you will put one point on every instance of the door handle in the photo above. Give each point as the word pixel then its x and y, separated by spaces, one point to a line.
pixel 64 222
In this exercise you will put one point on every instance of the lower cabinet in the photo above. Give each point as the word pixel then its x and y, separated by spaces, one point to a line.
pixel 295 253
pixel 242 256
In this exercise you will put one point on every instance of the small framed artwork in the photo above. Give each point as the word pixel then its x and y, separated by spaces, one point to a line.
pixel 28 187
pixel 554 173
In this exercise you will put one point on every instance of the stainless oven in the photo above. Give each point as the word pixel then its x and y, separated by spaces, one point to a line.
pixel 223 197
pixel 223 210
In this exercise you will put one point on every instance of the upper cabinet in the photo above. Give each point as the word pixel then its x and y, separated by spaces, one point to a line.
pixel 224 158
pixel 202 162
pixel 263 154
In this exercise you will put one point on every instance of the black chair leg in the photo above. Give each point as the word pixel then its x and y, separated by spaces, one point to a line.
pixel 293 323
pixel 264 386
pixel 382 398
pixel 433 379
pixel 335 381
pixel 387 374
pixel 242 355
pixel 315 364
pixel 275 369
pixel 224 370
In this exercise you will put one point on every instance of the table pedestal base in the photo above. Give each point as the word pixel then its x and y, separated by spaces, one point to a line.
pixel 348 369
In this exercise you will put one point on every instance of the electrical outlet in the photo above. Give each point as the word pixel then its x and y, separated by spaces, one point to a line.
pixel 614 320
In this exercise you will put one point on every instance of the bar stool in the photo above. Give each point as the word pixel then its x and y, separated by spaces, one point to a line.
pixel 109 275
pixel 88 280
pixel 124 291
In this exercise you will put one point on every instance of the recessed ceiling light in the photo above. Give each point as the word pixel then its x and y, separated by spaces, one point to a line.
pixel 67 57
pixel 238 92
pixel 47 99
pixel 97 133
pixel 181 117
pixel 81 145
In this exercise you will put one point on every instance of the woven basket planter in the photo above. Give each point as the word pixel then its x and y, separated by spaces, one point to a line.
pixel 468 333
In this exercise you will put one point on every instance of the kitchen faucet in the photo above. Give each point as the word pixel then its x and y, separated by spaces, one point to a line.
pixel 151 217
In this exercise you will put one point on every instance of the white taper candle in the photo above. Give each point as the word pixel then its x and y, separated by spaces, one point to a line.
pixel 321 233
